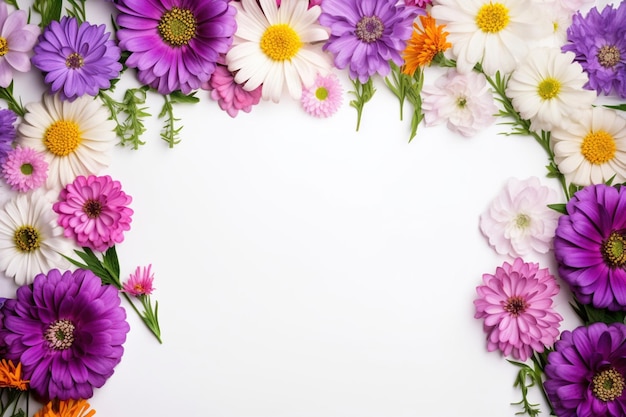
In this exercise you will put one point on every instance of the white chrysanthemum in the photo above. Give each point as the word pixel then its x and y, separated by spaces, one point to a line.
pixel 495 34
pixel 518 221
pixel 31 241
pixel 547 88
pixel 76 137
pixel 591 149
pixel 274 47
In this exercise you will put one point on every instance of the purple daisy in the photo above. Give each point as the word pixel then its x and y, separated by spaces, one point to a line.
pixel 590 246
pixel 516 305
pixel 599 42
pixel 94 211
pixel 67 330
pixel 175 44
pixel 77 58
pixel 585 373
pixel 7 131
pixel 25 169
pixel 366 35
pixel 17 38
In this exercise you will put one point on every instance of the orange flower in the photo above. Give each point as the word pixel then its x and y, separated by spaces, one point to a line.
pixel 11 376
pixel 425 43
pixel 66 408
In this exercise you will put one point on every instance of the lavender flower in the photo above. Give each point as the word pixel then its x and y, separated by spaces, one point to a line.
pixel 17 38
pixel 7 131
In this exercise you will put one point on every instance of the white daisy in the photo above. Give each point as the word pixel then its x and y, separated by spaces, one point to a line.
pixel 31 241
pixel 548 87
pixel 592 148
pixel 77 136
pixel 275 46
pixel 493 33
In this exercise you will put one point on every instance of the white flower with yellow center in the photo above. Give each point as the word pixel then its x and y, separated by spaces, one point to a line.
pixel 494 34
pixel 592 148
pixel 277 47
pixel 76 137
pixel 31 241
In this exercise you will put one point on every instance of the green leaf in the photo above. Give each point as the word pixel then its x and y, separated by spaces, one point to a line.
pixel 12 103
pixel 363 93
pixel 170 133
pixel 49 10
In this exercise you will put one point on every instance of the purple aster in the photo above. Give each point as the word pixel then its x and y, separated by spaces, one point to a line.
pixel 93 211
pixel 77 58
pixel 175 44
pixel 590 246
pixel 24 169
pixel 599 42
pixel 366 35
pixel 67 330
pixel 7 131
pixel 585 373
pixel 17 38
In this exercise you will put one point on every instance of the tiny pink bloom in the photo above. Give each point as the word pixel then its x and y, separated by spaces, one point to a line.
pixel 94 211
pixel 516 305
pixel 324 97
pixel 140 283
pixel 231 96
pixel 24 169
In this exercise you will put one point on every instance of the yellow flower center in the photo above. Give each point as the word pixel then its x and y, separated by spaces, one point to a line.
pixel 177 26
pixel 280 42
pixel 608 384
pixel 4 46
pixel 613 250
pixel 26 239
pixel 62 138
pixel 492 17
pixel 598 147
pixel 549 88
pixel 74 61
pixel 321 93
pixel 608 56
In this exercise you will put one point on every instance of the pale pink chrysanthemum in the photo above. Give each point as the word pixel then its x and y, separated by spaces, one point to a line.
pixel 24 169
pixel 139 283
pixel 324 97
pixel 230 96
pixel 516 305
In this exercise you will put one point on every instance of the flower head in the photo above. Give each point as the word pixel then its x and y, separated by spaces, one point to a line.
pixel 24 169
pixel 277 48
pixel 66 408
pixel 365 36
pixel 67 329
pixel 17 38
pixel 230 96
pixel 175 44
pixel 516 305
pixel 426 42
pixel 324 97
pixel 94 211
pixel 139 283
pixel 590 246
pixel 77 58
pixel 518 221
pixel 585 374
pixel 11 376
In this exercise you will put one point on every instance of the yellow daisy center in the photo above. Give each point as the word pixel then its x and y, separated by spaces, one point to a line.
pixel 608 56
pixel 492 17
pixel 74 61
pixel 280 42
pixel 598 147
pixel 549 88
pixel 608 384
pixel 177 26
pixel 614 250
pixel 62 137
pixel 26 239
pixel 321 93
pixel 4 46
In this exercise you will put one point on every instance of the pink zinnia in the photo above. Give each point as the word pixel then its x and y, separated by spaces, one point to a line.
pixel 516 305
pixel 323 98
pixel 139 283
pixel 231 96
pixel 24 169
pixel 93 210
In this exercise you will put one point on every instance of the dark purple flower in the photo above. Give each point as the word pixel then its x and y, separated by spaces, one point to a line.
pixel 585 373
pixel 7 131
pixel 67 330
pixel 599 42
pixel 366 35
pixel 590 246
pixel 77 58
pixel 175 44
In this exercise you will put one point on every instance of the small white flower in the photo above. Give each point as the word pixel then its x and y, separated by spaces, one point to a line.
pixel 518 221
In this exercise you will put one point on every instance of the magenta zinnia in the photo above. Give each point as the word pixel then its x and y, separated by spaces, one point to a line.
pixel 516 305
pixel 140 283
pixel 94 211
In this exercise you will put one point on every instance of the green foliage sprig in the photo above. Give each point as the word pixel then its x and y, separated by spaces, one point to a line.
pixel 49 10
pixel 129 130
pixel 13 103
pixel 170 133
pixel 77 10
pixel 407 88
pixel 363 93
pixel 10 400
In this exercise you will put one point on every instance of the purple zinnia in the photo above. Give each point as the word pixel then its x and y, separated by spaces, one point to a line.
pixel 77 58
pixel 175 44
pixel 94 211
pixel 599 42
pixel 67 330
pixel 585 373
pixel 7 131
pixel 590 246
pixel 366 35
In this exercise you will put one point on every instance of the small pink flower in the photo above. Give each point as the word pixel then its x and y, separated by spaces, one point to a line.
pixel 231 96
pixel 24 169
pixel 140 283
pixel 324 97
pixel 418 3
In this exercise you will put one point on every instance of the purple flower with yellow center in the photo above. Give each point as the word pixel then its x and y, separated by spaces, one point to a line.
pixel 590 246
pixel 599 41
pixel 24 169
pixel 77 58
pixel 366 35
pixel 585 374
pixel 67 330
pixel 175 44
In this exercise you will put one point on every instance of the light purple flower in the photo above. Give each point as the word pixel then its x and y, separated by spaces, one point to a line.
pixel 8 131
pixel 17 38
